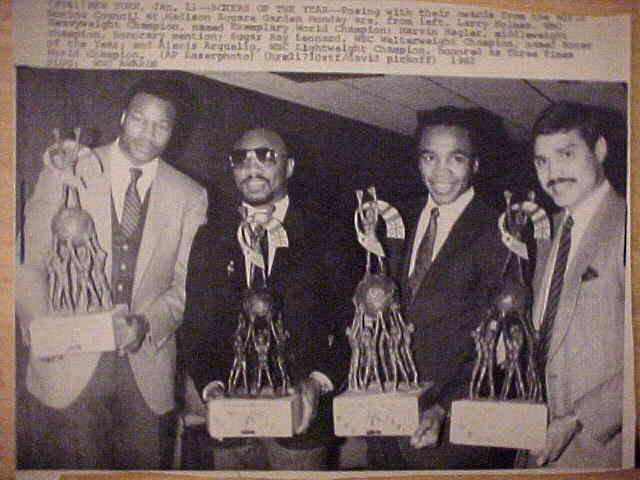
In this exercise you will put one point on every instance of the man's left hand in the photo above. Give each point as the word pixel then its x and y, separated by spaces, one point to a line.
pixel 132 332
pixel 309 390
pixel 428 432
pixel 559 434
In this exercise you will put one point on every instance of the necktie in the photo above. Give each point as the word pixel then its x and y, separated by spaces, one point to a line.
pixel 555 289
pixel 425 252
pixel 132 204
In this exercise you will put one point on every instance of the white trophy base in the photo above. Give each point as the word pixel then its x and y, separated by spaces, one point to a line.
pixel 367 413
pixel 254 417
pixel 58 334
pixel 493 423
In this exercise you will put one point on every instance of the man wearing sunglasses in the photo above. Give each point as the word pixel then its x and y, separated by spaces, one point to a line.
pixel 302 265
pixel 447 268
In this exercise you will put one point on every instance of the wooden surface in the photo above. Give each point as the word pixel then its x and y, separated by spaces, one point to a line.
pixel 7 198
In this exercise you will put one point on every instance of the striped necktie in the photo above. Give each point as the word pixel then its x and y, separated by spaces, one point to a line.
pixel 425 252
pixel 555 290
pixel 132 205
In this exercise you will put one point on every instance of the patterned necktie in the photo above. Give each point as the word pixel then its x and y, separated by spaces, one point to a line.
pixel 555 290
pixel 425 252
pixel 132 205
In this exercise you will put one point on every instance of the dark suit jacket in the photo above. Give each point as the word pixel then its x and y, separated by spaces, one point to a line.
pixel 449 304
pixel 307 276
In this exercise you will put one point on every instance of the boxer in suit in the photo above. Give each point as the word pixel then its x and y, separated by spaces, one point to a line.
pixel 579 287
pixel 114 410
pixel 303 265
pixel 448 267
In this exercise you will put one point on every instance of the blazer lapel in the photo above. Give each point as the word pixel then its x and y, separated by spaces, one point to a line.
pixel 294 226
pixel 572 281
pixel 463 232
pixel 154 225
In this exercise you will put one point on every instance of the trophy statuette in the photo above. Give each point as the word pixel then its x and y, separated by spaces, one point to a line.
pixel 258 398
pixel 79 296
pixel 510 389
pixel 383 391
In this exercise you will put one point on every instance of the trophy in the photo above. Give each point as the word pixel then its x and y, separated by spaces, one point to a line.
pixel 383 390
pixel 259 400
pixel 509 390
pixel 79 296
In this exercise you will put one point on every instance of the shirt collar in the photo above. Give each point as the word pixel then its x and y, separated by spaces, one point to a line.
pixel 280 211
pixel 454 209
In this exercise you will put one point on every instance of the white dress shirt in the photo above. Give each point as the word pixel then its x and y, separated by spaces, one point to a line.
pixel 121 178
pixel 448 216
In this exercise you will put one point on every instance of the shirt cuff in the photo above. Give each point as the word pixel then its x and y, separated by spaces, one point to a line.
pixel 326 385
pixel 211 388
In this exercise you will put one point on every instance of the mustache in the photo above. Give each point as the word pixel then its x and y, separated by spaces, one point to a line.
pixel 555 181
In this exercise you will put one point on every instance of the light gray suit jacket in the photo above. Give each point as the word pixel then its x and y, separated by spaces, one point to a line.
pixel 585 361
pixel 177 207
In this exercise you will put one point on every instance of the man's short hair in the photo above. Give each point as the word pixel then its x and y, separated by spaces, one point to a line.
pixel 172 91
pixel 449 116
pixel 566 116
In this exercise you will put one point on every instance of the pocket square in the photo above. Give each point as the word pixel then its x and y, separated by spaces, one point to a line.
pixel 589 274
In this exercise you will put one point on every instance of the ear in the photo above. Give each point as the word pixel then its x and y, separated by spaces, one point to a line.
pixel 291 163
pixel 122 118
pixel 600 149
pixel 475 165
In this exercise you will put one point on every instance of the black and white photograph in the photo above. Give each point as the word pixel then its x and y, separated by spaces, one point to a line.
pixel 313 271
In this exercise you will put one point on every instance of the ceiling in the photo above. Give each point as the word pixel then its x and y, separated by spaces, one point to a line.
pixel 392 101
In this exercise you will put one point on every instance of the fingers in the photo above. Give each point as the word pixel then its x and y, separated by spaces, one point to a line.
pixel 309 396
pixel 426 434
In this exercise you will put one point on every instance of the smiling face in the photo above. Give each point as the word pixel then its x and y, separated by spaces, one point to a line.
pixel 446 162
pixel 262 182
pixel 147 124
pixel 568 170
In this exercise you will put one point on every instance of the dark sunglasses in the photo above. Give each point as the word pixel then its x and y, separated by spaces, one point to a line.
pixel 265 156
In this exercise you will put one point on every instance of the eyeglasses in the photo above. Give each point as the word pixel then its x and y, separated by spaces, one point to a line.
pixel 264 156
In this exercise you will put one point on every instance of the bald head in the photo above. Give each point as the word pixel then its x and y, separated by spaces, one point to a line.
pixel 263 175
pixel 261 138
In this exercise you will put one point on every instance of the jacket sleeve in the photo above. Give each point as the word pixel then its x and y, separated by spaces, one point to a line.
pixel 203 345
pixel 165 313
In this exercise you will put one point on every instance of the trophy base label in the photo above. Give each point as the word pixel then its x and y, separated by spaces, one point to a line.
pixel 368 413
pixel 74 333
pixel 493 423
pixel 254 417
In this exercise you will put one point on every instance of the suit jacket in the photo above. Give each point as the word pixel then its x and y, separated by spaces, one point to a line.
pixel 177 207
pixel 448 305
pixel 307 276
pixel 585 361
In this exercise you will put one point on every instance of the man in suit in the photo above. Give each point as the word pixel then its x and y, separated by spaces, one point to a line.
pixel 579 286
pixel 447 269
pixel 114 410
pixel 303 265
